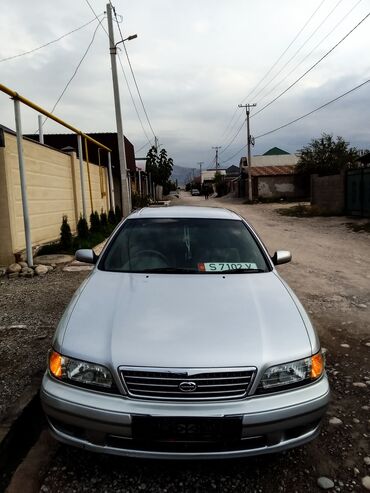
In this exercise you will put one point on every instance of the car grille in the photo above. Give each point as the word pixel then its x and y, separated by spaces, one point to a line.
pixel 187 384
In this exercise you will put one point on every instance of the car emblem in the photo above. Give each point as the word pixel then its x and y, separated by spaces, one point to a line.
pixel 188 386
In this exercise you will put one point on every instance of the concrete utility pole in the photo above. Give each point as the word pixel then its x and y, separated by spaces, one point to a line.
pixel 217 148
pixel 250 141
pixel 126 203
pixel 200 170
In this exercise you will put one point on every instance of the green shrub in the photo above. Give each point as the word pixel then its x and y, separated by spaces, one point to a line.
pixel 82 229
pixel 111 217
pixel 118 214
pixel 65 235
pixel 104 222
pixel 95 226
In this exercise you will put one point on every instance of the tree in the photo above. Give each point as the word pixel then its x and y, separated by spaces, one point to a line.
pixel 160 167
pixel 326 156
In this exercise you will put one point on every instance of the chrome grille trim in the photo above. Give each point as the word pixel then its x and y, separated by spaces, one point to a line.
pixel 163 383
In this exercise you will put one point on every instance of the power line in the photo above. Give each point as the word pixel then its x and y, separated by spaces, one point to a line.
pixel 235 136
pixel 74 73
pixel 49 43
pixel 286 49
pixel 271 68
pixel 299 49
pixel 133 101
pixel 132 72
pixel 123 71
pixel 313 49
pixel 299 118
pixel 313 111
pixel 312 67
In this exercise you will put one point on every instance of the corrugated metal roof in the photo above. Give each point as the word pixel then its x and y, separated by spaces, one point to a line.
pixel 273 170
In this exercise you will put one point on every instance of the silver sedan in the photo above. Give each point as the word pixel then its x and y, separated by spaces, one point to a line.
pixel 184 342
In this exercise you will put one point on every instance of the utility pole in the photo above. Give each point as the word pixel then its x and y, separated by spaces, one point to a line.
pixel 217 148
pixel 126 205
pixel 250 140
pixel 200 170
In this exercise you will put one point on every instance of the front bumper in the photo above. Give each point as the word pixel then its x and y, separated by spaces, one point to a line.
pixel 103 423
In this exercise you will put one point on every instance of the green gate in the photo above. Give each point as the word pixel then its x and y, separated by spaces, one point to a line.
pixel 358 192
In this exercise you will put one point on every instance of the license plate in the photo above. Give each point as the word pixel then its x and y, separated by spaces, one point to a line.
pixel 186 429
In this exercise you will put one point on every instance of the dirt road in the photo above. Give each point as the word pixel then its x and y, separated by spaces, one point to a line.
pixel 330 272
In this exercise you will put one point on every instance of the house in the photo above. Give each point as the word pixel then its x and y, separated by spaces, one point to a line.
pixel 273 176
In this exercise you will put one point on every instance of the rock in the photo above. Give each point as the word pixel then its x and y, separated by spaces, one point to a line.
pixel 367 344
pixel 13 275
pixel 41 270
pixel 53 259
pixel 325 483
pixel 23 264
pixel 14 268
pixel 2 271
pixel 356 471
pixel 359 384
pixel 335 421
pixel 49 268
pixel 361 305
pixel 366 482
pixel 345 345
pixel 29 274
pixel 356 421
pixel 365 408
pixel 367 461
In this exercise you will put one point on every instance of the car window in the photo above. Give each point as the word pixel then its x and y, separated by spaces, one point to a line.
pixel 184 245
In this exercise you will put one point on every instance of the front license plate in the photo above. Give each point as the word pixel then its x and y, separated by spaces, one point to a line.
pixel 186 429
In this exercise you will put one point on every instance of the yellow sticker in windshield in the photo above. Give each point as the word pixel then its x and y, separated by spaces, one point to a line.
pixel 225 266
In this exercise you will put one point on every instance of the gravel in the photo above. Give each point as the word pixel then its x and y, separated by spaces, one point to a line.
pixel 29 312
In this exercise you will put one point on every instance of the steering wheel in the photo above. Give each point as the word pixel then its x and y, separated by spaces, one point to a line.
pixel 152 252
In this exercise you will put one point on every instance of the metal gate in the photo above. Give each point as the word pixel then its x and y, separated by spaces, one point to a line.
pixel 358 192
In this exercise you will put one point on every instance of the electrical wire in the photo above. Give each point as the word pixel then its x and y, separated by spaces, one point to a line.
pixel 120 61
pixel 132 73
pixel 285 51
pixel 312 67
pixel 50 42
pixel 313 111
pixel 133 101
pixel 299 49
pixel 299 118
pixel 74 73
pixel 227 130
pixel 310 53
pixel 235 136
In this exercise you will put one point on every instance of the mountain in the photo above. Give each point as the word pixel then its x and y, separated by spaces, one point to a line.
pixel 181 174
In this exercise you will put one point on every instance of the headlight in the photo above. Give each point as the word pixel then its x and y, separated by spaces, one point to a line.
pixel 292 374
pixel 80 372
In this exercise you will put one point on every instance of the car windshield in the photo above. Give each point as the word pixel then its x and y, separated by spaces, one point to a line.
pixel 181 245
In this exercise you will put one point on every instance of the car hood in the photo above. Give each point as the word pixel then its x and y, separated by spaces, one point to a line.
pixel 188 321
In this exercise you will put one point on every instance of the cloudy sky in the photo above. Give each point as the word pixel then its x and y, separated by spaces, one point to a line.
pixel 194 61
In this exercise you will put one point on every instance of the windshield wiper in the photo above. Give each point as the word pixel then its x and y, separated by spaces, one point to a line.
pixel 169 270
pixel 242 270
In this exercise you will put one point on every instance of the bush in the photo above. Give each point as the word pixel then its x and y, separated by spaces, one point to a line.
pixel 65 235
pixel 138 201
pixel 82 229
pixel 118 214
pixel 104 221
pixel 95 226
pixel 112 217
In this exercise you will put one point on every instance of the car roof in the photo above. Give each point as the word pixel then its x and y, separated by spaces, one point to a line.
pixel 185 212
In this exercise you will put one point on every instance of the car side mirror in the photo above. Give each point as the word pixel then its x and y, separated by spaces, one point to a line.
pixel 281 257
pixel 86 255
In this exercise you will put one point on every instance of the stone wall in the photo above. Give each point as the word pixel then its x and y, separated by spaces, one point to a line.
pixel 328 192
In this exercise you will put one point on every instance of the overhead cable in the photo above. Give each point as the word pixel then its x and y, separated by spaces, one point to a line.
pixel 74 73
pixel 313 111
pixel 300 117
pixel 297 51
pixel 312 67
pixel 310 53
pixel 50 42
